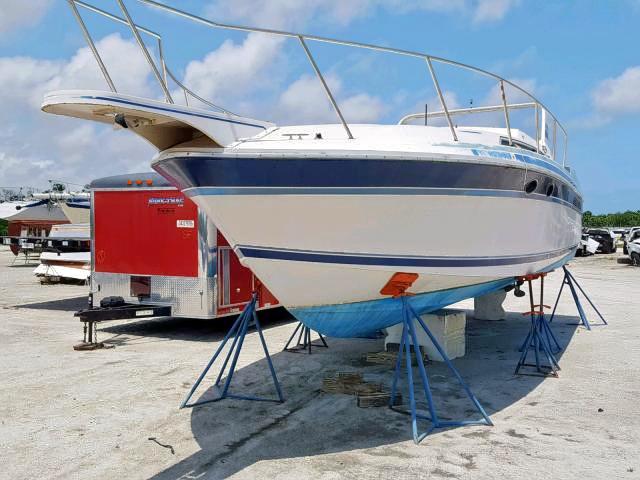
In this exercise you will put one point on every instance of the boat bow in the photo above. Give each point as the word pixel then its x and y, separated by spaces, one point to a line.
pixel 163 125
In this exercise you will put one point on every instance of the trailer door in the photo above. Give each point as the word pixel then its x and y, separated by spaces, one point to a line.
pixel 235 282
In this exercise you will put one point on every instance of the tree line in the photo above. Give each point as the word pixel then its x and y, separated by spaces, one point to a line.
pixel 630 218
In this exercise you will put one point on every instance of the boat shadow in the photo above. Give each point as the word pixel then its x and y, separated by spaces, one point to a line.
pixel 235 434
pixel 188 329
pixel 72 304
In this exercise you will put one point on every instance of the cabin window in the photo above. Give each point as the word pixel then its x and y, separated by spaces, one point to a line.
pixel 524 146
pixel 550 189
pixel 531 186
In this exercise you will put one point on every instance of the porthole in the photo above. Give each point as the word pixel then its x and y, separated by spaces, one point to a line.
pixel 531 186
pixel 550 189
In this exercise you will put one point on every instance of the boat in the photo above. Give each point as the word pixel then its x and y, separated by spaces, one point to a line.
pixel 70 259
pixel 12 200
pixel 328 215
pixel 10 208
pixel 76 206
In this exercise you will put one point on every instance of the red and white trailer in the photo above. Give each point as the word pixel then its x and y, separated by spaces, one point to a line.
pixel 153 247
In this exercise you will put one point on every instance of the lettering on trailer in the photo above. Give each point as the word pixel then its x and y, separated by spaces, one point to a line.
pixel 179 201
pixel 166 205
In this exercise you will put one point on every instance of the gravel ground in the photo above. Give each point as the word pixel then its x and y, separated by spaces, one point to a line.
pixel 67 414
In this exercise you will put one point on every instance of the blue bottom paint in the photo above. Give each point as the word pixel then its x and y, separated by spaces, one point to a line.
pixel 362 319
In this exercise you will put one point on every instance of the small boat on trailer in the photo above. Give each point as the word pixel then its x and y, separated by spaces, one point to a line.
pixel 75 205
pixel 67 254
pixel 326 215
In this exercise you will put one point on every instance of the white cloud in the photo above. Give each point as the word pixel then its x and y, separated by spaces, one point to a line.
pixel 296 14
pixel 362 108
pixel 233 69
pixel 305 101
pixel 41 146
pixel 27 79
pixel 612 97
pixel 19 76
pixel 284 14
pixel 618 95
pixel 15 14
pixel 124 60
pixel 492 10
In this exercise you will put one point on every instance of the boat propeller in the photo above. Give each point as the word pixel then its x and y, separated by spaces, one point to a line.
pixel 517 291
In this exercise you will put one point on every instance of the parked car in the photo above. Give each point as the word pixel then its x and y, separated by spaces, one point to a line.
pixel 633 246
pixel 605 238
pixel 625 250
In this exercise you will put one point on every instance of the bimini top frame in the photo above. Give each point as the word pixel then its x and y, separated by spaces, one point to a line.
pixel 163 73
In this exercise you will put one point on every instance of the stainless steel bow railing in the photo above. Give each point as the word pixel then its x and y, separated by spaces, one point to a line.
pixel 166 72
pixel 162 74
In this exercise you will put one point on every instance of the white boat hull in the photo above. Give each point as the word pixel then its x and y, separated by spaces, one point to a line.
pixel 450 241
pixel 326 231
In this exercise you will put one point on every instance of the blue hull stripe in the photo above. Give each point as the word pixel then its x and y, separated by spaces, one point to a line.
pixel 171 110
pixel 340 173
pixel 393 261
pixel 546 165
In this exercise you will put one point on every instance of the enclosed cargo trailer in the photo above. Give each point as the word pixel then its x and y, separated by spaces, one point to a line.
pixel 152 246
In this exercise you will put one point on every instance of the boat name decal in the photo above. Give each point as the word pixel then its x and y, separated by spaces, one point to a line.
pixel 492 154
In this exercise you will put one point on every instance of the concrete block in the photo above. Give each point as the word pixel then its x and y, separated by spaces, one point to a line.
pixel 489 306
pixel 447 326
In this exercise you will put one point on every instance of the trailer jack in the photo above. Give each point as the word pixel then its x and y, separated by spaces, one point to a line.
pixel 90 338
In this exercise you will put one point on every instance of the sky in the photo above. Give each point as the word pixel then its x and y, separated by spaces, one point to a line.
pixel 580 58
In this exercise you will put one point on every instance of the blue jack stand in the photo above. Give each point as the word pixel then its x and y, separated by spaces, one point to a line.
pixel 408 329
pixel 544 329
pixel 539 337
pixel 570 280
pixel 304 340
pixel 238 331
